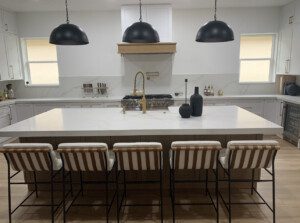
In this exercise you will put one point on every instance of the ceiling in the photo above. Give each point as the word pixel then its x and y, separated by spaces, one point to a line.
pixel 55 5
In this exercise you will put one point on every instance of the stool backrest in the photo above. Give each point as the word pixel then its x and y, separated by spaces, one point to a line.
pixel 194 154
pixel 252 154
pixel 29 156
pixel 84 156
pixel 138 156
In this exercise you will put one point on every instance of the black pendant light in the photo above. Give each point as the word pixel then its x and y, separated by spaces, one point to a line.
pixel 215 31
pixel 68 34
pixel 140 32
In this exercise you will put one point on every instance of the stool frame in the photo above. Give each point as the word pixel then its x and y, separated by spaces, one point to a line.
pixel 228 204
pixel 53 174
pixel 173 182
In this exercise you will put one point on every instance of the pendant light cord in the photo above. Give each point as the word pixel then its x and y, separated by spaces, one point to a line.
pixel 67 12
pixel 141 11
pixel 215 10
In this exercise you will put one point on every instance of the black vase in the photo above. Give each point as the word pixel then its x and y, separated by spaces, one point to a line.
pixel 196 103
pixel 185 111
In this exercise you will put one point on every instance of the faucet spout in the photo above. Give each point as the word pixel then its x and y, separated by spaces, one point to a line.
pixel 143 100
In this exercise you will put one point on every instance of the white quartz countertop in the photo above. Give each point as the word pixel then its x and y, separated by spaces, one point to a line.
pixel 216 120
pixel 291 99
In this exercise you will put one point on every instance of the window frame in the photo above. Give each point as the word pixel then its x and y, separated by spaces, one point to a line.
pixel 272 59
pixel 26 63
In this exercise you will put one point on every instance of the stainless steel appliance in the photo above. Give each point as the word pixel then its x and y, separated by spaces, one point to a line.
pixel 291 122
pixel 153 101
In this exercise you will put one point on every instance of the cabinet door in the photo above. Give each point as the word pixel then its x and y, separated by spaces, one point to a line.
pixel 284 54
pixel 3 60
pixel 24 111
pixel 295 51
pixel 270 110
pixel 10 23
pixel 13 56
pixel 13 114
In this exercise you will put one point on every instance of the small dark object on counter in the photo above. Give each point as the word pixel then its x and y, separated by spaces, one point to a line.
pixel 185 111
pixel 292 89
pixel 196 102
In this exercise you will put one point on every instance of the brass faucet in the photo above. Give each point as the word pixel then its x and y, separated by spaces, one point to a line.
pixel 135 93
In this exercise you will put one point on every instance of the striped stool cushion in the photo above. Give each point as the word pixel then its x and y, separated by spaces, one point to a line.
pixel 252 154
pixel 194 154
pixel 86 156
pixel 139 156
pixel 31 156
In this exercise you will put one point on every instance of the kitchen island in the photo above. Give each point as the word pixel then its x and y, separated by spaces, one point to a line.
pixel 111 125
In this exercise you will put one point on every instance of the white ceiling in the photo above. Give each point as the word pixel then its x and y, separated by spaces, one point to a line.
pixel 54 5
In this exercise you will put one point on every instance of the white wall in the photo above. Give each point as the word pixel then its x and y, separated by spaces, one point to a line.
pixel 204 64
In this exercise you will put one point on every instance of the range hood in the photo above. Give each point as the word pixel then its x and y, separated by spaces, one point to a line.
pixel 147 48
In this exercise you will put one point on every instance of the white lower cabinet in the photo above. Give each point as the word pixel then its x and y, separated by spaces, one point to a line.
pixel 24 111
pixel 5 120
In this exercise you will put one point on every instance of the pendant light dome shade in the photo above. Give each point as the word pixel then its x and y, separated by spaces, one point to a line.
pixel 68 34
pixel 215 31
pixel 140 32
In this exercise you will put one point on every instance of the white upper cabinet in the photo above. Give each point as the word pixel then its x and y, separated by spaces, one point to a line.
pixel 289 49
pixel 10 63
pixel 287 15
pixel 284 50
pixel 3 60
pixel 9 22
pixel 13 56
pixel 159 16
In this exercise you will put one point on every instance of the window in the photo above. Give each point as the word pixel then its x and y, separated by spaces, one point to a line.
pixel 40 62
pixel 257 58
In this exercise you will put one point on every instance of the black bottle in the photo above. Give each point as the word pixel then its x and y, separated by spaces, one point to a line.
pixel 196 102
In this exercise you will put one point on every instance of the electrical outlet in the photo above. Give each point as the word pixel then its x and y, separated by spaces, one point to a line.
pixel 152 75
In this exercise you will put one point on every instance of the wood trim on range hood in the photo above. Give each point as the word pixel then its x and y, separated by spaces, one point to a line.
pixel 147 48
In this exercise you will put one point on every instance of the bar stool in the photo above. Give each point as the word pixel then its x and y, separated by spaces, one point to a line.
pixel 249 155
pixel 86 157
pixel 194 155
pixel 143 156
pixel 31 157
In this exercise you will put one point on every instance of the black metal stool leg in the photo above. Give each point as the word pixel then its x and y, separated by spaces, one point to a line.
pixel 173 195
pixel 9 191
pixel 52 196
pixel 35 184
pixel 229 195
pixel 206 182
pixel 252 181
pixel 106 196
pixel 125 187
pixel 161 197
pixel 71 183
pixel 81 183
pixel 217 192
pixel 64 194
pixel 117 193
pixel 273 192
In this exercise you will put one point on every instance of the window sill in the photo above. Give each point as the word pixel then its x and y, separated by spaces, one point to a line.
pixel 266 82
pixel 42 85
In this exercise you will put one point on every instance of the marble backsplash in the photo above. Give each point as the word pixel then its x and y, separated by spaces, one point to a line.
pixel 71 87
